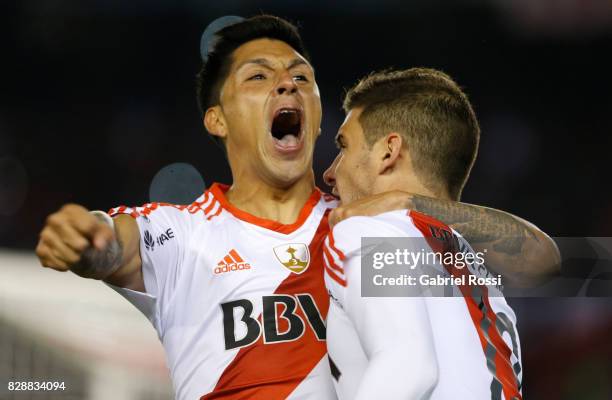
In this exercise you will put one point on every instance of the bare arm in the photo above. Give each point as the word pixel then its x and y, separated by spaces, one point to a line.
pixel 75 240
pixel 129 274
pixel 515 248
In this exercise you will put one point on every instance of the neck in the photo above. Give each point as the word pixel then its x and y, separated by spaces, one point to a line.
pixel 267 201
pixel 407 183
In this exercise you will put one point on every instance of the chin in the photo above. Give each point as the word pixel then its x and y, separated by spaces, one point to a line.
pixel 298 159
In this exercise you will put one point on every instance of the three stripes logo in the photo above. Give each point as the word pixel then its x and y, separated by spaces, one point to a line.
pixel 231 262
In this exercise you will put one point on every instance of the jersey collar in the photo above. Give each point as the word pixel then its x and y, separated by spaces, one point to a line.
pixel 218 191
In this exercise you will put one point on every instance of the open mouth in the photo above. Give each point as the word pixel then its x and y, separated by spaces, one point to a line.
pixel 286 128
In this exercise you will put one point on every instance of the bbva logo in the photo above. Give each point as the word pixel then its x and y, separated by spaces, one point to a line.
pixel 248 329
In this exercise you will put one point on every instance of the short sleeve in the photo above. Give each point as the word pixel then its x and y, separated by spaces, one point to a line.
pixel 164 231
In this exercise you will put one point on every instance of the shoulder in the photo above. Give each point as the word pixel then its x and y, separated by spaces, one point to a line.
pixel 427 224
pixel 347 237
pixel 398 223
pixel 347 234
pixel 204 207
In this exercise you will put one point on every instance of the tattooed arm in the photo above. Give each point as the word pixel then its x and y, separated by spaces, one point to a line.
pixel 515 248
pixel 75 240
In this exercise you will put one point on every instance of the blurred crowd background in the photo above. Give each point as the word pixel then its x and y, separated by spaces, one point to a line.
pixel 97 97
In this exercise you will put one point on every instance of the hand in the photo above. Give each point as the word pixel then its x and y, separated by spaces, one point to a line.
pixel 372 205
pixel 67 234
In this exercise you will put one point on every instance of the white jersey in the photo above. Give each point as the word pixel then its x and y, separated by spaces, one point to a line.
pixel 238 302
pixel 418 347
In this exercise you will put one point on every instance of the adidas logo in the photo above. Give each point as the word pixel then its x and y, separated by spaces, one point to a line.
pixel 231 262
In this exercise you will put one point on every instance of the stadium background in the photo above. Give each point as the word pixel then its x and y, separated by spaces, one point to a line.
pixel 97 97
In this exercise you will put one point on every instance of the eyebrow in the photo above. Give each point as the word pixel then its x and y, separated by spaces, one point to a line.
pixel 296 62
pixel 258 61
pixel 265 63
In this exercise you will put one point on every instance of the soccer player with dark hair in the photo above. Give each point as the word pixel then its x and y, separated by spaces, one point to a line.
pixel 415 131
pixel 233 283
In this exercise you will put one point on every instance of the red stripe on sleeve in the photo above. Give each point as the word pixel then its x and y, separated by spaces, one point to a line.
pixel 330 260
pixel 215 214
pixel 210 206
pixel 332 245
pixel 330 272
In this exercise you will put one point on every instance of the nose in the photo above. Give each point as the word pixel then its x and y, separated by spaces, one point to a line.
pixel 329 176
pixel 286 84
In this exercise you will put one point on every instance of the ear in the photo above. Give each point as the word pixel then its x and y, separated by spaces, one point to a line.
pixel 391 148
pixel 214 122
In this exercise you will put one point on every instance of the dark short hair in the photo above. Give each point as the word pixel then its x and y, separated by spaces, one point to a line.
pixel 215 69
pixel 432 114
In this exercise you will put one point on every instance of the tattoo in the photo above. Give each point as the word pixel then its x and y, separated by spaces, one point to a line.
pixel 477 224
pixel 98 264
